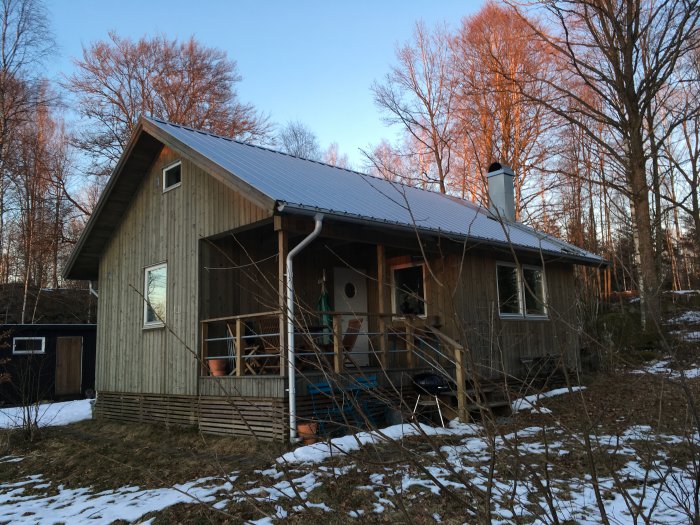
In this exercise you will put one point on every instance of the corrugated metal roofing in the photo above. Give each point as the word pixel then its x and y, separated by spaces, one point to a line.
pixel 310 185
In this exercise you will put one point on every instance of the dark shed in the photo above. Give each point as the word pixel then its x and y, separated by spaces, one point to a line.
pixel 46 361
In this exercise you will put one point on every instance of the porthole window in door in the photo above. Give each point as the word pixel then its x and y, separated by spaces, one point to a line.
pixel 350 290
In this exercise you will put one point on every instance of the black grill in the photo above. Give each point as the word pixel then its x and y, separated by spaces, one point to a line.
pixel 431 384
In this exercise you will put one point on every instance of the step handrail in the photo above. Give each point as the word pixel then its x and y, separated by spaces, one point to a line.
pixel 460 379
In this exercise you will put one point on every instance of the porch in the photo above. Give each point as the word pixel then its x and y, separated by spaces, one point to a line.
pixel 364 307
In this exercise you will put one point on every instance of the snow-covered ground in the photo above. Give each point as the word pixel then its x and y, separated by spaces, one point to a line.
pixel 683 292
pixel 530 402
pixel 662 367
pixel 687 317
pixel 690 336
pixel 288 485
pixel 49 414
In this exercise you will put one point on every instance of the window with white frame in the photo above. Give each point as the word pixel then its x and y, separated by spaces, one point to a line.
pixel 155 295
pixel 409 289
pixel 521 291
pixel 172 176
pixel 28 345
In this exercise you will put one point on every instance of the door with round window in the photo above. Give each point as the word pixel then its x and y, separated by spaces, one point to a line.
pixel 350 295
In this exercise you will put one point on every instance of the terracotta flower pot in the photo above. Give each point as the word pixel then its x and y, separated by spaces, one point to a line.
pixel 308 432
pixel 217 367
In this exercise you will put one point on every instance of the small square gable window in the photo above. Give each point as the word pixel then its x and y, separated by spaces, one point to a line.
pixel 172 176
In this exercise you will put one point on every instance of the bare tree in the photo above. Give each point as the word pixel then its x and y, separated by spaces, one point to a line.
pixel 119 79
pixel 333 156
pixel 297 139
pixel 497 122
pixel 627 53
pixel 418 95
pixel 25 41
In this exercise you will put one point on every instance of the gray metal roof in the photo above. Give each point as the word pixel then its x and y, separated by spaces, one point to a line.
pixel 306 185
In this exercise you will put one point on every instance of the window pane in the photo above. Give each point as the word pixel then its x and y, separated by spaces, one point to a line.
pixel 508 296
pixel 408 289
pixel 155 295
pixel 172 176
pixel 28 345
pixel 534 291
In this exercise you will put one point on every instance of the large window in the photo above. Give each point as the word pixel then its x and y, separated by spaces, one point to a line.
pixel 172 176
pixel 409 290
pixel 521 291
pixel 28 345
pixel 154 294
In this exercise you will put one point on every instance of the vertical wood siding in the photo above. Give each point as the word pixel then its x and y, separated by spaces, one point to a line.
pixel 467 301
pixel 160 227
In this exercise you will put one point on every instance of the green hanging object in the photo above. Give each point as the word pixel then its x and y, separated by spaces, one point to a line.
pixel 324 308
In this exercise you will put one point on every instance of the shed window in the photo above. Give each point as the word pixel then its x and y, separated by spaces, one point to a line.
pixel 521 291
pixel 155 292
pixel 409 290
pixel 28 345
pixel 172 176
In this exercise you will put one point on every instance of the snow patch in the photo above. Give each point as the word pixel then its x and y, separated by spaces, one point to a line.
pixel 688 336
pixel 689 317
pixel 530 402
pixel 50 414
pixel 82 506
pixel 319 452
pixel 661 367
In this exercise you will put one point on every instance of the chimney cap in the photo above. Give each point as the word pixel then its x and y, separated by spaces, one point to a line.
pixel 497 168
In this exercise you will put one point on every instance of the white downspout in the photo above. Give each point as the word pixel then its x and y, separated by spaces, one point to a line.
pixel 291 368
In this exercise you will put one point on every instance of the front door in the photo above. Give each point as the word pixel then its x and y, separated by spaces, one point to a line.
pixel 350 295
pixel 69 357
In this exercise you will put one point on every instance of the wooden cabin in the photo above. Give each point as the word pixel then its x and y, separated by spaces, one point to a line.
pixel 283 276
pixel 46 361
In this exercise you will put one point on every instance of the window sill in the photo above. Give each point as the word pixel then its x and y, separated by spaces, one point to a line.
pixel 520 317
pixel 154 326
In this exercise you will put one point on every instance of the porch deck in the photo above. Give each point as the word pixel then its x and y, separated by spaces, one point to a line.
pixel 388 348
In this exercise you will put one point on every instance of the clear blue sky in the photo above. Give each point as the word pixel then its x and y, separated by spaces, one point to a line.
pixel 312 61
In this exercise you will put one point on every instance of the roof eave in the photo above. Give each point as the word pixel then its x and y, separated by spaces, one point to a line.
pixel 297 209
pixel 80 244
pixel 217 171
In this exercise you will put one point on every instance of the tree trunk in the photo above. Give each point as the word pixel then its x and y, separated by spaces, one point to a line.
pixel 649 289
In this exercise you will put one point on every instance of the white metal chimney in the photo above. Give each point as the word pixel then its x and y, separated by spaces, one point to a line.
pixel 501 193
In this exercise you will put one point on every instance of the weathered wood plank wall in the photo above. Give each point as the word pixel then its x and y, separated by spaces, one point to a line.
pixel 260 417
pixel 467 299
pixel 160 227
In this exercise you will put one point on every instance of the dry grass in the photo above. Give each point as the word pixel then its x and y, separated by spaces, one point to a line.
pixel 107 455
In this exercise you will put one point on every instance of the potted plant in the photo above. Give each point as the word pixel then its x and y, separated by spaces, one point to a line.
pixel 217 367
pixel 308 431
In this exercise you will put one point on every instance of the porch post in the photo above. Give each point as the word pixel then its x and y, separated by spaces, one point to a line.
pixel 410 343
pixel 282 249
pixel 382 305
pixel 338 350
pixel 239 347
pixel 204 335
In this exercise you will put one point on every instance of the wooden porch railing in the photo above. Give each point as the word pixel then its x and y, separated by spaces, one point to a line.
pixel 251 344
pixel 248 343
